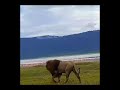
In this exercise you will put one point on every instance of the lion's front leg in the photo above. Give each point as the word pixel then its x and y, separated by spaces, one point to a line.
pixel 54 76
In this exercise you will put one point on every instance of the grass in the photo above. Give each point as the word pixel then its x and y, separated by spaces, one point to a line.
pixel 90 75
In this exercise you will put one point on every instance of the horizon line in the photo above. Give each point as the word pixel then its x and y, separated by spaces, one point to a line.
pixel 61 35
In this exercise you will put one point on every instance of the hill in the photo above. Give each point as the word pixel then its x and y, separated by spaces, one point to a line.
pixel 44 46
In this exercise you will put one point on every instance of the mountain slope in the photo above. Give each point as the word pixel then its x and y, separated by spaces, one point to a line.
pixel 51 46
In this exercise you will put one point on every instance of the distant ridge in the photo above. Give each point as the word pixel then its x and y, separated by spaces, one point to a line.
pixel 46 37
pixel 44 46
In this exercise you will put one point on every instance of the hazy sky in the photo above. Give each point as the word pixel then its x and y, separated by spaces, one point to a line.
pixel 39 20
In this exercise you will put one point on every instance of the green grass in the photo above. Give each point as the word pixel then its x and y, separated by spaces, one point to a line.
pixel 90 75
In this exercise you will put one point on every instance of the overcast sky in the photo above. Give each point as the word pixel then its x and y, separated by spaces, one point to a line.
pixel 59 20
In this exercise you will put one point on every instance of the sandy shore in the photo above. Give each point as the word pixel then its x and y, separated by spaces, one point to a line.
pixel 42 63
pixel 75 58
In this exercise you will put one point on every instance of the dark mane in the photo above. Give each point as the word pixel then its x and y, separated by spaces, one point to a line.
pixel 52 65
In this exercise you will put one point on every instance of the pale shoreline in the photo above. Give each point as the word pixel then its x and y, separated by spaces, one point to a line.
pixel 74 58
pixel 44 63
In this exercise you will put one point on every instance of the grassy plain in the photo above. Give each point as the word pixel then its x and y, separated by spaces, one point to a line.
pixel 38 75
